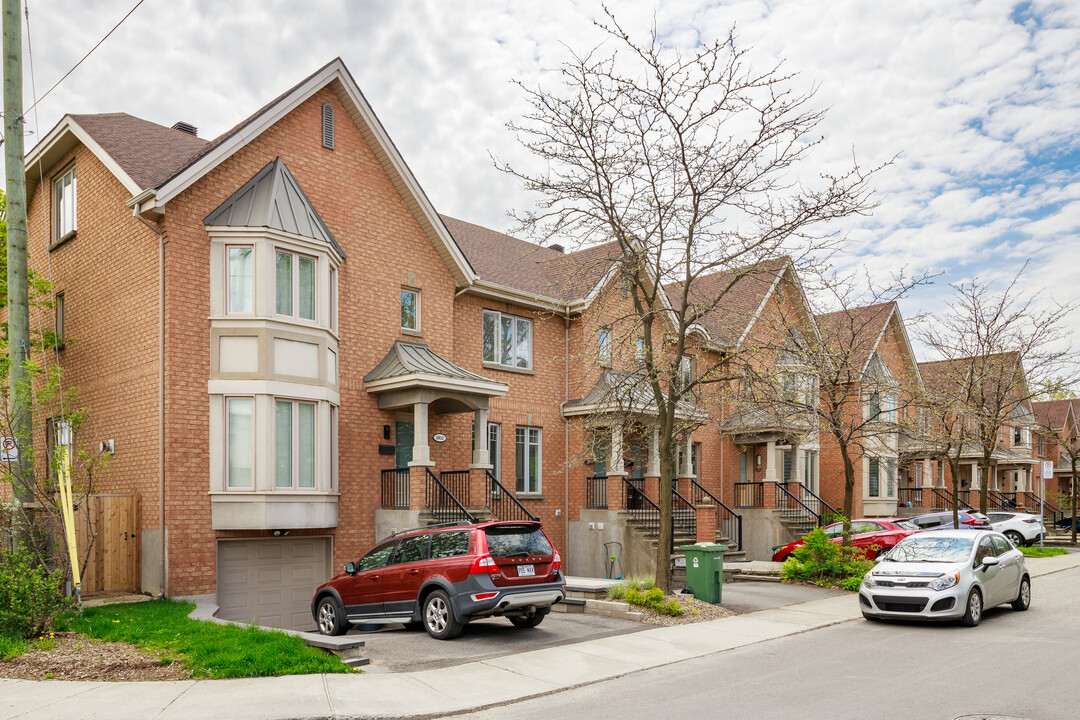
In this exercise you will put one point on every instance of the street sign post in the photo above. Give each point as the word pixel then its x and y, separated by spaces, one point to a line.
pixel 1047 474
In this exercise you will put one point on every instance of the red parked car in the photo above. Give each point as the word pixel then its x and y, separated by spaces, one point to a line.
pixel 869 537
pixel 445 576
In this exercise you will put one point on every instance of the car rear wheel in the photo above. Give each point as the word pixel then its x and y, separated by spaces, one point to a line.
pixel 528 622
pixel 330 617
pixel 1023 597
pixel 1015 538
pixel 974 612
pixel 439 617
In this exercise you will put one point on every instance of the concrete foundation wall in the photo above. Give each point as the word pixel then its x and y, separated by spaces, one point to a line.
pixel 587 555
pixel 762 531
pixel 391 521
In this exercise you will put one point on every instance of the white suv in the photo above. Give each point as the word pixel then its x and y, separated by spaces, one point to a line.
pixel 1020 528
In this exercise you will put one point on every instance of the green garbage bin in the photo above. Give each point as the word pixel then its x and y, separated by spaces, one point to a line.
pixel 705 570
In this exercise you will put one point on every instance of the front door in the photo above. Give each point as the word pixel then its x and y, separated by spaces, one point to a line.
pixel 403 443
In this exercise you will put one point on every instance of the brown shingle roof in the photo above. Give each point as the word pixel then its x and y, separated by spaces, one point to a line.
pixel 522 265
pixel 147 152
pixel 855 331
pixel 735 306
pixel 1052 413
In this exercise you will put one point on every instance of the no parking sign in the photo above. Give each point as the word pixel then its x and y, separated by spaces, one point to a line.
pixel 9 450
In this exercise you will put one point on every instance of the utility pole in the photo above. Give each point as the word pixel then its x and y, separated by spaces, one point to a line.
pixel 18 305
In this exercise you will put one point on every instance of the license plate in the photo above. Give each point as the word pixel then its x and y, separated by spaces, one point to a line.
pixel 526 570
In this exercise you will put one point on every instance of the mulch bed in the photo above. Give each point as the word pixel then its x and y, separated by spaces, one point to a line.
pixel 77 657
pixel 705 612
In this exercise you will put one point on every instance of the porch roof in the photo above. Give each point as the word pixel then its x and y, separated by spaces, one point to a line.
pixel 751 421
pixel 624 393
pixel 411 372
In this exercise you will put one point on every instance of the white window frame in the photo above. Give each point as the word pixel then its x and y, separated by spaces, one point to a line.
pixel 294 478
pixel 333 299
pixel 62 209
pixel 603 346
pixel 515 319
pixel 886 478
pixel 229 281
pixel 229 399
pixel 415 292
pixel 294 273
pixel 524 488
pixel 59 308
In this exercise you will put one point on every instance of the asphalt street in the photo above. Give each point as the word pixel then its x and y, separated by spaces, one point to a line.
pixel 1015 664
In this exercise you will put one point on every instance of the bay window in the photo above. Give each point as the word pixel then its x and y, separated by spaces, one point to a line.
pixel 294 286
pixel 294 444
pixel 240 279
pixel 240 443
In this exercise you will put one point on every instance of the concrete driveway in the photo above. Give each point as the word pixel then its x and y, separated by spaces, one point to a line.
pixel 401 650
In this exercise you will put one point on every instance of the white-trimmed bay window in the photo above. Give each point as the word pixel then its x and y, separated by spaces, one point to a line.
pixel 507 340
pixel 294 444
pixel 240 291
pixel 240 446
pixel 529 460
pixel 64 208
pixel 881 478
pixel 294 285
pixel 603 346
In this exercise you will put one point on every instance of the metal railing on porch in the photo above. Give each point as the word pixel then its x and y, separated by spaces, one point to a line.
pixel 441 502
pixel 645 512
pixel 730 521
pixel 457 482
pixel 812 500
pixel 596 492
pixel 683 515
pixel 502 504
pixel 395 488
pixel 1027 501
pixel 795 509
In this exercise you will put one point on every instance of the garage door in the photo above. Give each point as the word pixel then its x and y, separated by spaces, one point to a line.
pixel 271 581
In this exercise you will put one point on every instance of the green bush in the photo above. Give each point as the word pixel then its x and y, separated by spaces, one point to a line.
pixel 822 562
pixel 653 598
pixel 32 599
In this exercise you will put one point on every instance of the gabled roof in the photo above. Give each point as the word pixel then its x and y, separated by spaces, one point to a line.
pixel 1053 414
pixel 622 393
pixel 548 274
pixel 739 294
pixel 273 199
pixel 858 330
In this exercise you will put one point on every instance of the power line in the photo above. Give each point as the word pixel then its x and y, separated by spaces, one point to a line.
pixel 76 65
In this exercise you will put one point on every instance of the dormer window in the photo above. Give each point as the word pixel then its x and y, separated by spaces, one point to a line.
pixel 64 188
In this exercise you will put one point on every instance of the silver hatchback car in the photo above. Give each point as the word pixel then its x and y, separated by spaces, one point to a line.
pixel 946 575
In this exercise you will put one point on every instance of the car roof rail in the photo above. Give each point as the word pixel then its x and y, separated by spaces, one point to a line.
pixel 438 526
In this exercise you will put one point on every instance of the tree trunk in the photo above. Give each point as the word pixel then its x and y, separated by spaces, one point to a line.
pixel 1072 457
pixel 849 495
pixel 954 468
pixel 665 531
pixel 984 486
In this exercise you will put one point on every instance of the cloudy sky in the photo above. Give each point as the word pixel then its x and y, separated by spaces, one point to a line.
pixel 978 101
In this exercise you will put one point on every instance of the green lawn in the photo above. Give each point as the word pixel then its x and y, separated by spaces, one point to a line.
pixel 1035 551
pixel 210 650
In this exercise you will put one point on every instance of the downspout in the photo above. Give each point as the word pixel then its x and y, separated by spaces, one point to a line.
pixel 161 395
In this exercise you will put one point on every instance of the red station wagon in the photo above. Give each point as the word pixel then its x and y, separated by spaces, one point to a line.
pixel 445 576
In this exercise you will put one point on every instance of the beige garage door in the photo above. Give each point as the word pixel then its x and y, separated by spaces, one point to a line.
pixel 271 581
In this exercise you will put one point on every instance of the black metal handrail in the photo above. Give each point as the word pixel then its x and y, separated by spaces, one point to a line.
pixel 683 514
pixel 502 504
pixel 750 494
pixel 457 482
pixel 643 510
pixel 730 521
pixel 633 502
pixel 596 492
pixel 912 496
pixel 796 509
pixel 961 502
pixel 813 500
pixel 1032 502
pixel 996 501
pixel 442 503
pixel 395 488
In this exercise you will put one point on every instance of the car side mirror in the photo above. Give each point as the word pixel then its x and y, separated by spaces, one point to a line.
pixel 990 561
pixel 350 568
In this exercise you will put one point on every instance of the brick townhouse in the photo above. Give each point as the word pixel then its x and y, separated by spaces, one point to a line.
pixel 289 353
pixel 1059 427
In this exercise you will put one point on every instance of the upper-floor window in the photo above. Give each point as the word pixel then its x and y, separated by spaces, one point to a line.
pixel 1018 435
pixel 294 284
pixel 410 309
pixel 333 299
pixel 686 371
pixel 603 346
pixel 639 349
pixel 294 444
pixel 507 340
pixel 529 465
pixel 1042 447
pixel 64 205
pixel 882 406
pixel 240 292
pixel 58 320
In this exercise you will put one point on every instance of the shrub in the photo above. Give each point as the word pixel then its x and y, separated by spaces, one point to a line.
pixel 31 597
pixel 653 598
pixel 822 562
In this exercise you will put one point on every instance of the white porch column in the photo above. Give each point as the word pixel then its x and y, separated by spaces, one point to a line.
pixel 797 458
pixel 687 469
pixel 480 453
pixel 615 465
pixel 654 453
pixel 770 462
pixel 975 472
pixel 421 454
pixel 927 473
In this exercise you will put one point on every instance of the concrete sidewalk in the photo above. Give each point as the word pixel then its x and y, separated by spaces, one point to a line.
pixel 433 692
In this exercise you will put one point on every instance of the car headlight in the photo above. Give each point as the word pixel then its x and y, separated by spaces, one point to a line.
pixel 946 581
pixel 868 580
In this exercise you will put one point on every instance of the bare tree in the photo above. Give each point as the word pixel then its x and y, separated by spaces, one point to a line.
pixel 1067 439
pixel 1004 348
pixel 690 165
pixel 829 379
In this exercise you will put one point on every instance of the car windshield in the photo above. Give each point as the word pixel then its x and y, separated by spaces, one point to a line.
pixel 906 524
pixel 514 541
pixel 928 548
